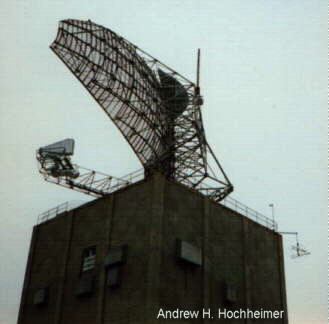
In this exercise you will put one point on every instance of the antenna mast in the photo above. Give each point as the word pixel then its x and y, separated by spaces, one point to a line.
pixel 198 73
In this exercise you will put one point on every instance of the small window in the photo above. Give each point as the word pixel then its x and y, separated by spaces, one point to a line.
pixel 189 253
pixel 88 259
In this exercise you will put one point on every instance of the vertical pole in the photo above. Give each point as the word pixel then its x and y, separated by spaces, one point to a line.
pixel 198 72
pixel 297 245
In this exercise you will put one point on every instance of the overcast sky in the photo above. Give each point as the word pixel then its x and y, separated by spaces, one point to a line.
pixel 264 82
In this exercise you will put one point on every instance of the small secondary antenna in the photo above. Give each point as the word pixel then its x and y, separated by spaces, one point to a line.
pixel 198 71
pixel 198 97
pixel 55 159
pixel 56 166
pixel 300 251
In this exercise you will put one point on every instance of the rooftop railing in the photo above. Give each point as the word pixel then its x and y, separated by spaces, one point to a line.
pixel 138 175
pixel 241 208
pixel 60 209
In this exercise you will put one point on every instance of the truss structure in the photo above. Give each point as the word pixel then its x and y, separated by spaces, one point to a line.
pixel 156 109
pixel 87 181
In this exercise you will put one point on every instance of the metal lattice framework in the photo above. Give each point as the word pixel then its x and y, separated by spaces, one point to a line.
pixel 156 109
pixel 88 181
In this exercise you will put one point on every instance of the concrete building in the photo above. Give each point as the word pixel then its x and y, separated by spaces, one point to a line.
pixel 153 247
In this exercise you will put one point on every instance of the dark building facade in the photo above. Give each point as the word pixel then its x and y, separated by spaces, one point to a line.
pixel 151 248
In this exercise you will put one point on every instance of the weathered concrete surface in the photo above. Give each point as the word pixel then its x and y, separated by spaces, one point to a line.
pixel 149 217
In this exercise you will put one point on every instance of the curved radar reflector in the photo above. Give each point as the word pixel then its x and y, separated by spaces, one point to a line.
pixel 156 109
pixel 118 79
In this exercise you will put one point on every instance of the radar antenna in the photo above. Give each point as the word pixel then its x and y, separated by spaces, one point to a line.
pixel 157 110
pixel 298 249
pixel 56 166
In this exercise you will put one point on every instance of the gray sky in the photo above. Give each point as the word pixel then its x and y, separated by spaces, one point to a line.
pixel 264 81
